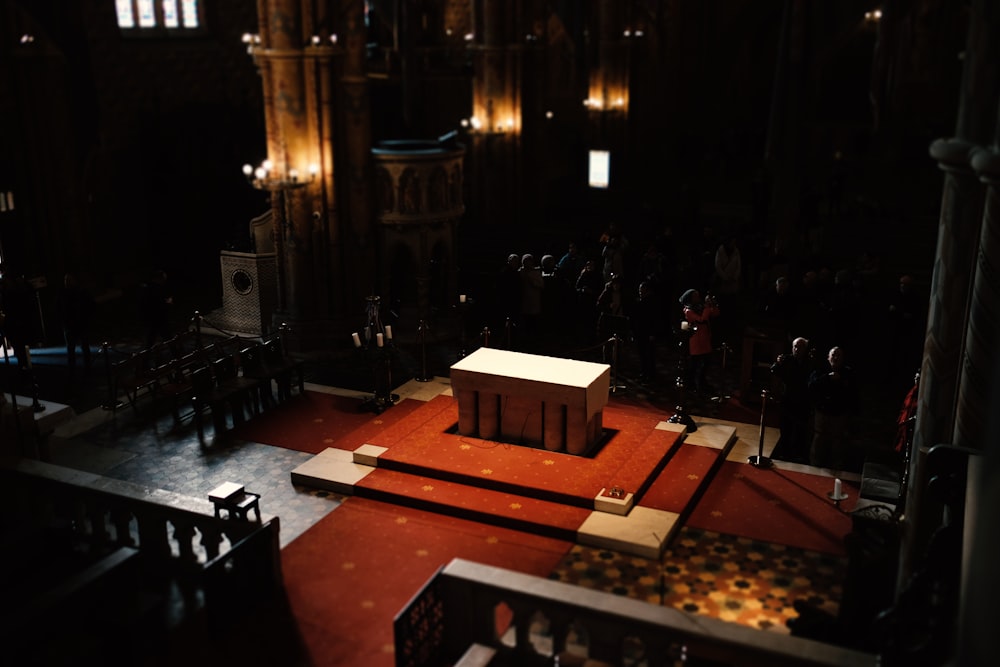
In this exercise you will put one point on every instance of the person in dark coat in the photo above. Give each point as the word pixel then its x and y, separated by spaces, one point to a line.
pixel 834 395
pixel 794 371
pixel 77 306
pixel 156 302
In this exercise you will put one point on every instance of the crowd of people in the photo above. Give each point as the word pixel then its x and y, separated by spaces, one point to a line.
pixel 703 293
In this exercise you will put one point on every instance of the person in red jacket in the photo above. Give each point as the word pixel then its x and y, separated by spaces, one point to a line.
pixel 698 315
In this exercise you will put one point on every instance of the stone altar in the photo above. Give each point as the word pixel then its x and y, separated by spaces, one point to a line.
pixel 531 399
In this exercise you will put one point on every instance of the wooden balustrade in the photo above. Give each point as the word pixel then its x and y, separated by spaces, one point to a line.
pixel 226 563
pixel 509 618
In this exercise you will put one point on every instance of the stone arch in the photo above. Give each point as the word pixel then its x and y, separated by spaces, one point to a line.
pixel 437 191
pixel 386 191
pixel 409 192
pixel 504 628
pixel 456 185
pixel 540 634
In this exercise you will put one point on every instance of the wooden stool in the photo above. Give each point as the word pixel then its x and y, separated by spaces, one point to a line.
pixel 233 498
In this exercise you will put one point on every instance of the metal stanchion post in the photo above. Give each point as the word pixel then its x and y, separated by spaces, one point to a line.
pixel 486 336
pixel 422 338
pixel 615 385
pixel 761 461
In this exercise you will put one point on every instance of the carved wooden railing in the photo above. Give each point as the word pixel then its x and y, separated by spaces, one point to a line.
pixel 221 565
pixel 509 618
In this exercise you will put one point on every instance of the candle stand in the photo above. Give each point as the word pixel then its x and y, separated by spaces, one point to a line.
pixel 837 494
pixel 462 307
pixel 422 329
pixel 377 347
pixel 680 415
pixel 29 370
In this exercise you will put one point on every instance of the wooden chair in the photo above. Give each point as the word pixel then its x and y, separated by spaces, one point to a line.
pixel 252 362
pixel 281 367
pixel 133 375
pixel 207 394
pixel 243 390
pixel 176 383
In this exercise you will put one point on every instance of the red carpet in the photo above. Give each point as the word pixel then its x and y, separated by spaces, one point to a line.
pixel 424 444
pixel 313 421
pixel 349 575
pixel 686 471
pixel 777 506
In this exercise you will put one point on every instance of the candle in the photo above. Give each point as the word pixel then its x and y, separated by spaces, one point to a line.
pixel 837 487
pixel 461 298
pixel 356 338
pixel 685 325
pixel 388 331
pixel 379 339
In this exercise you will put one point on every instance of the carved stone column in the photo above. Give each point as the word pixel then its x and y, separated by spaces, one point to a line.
pixel 958 237
pixel 981 354
pixel 294 52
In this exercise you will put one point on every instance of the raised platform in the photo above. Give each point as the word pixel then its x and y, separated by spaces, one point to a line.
pixel 423 462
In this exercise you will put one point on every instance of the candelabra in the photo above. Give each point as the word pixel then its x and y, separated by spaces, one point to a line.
pixel 680 415
pixel 463 307
pixel 375 342
pixel 280 183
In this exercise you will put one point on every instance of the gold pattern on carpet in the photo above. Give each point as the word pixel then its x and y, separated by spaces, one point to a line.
pixel 731 578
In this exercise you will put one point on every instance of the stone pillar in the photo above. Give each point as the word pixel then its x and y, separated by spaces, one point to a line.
pixel 981 355
pixel 294 58
pixel 362 262
pixel 958 236
pixel 495 126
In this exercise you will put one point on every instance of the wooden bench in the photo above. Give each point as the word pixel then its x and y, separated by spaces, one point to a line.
pixel 236 500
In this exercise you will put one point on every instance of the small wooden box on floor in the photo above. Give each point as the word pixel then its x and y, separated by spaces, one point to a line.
pixel 531 399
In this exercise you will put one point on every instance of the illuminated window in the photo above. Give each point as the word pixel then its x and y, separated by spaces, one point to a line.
pixel 144 16
pixel 600 169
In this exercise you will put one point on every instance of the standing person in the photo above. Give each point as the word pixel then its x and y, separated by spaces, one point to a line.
pixel 532 285
pixel 508 292
pixel 77 307
pixel 794 371
pixel 156 302
pixel 588 288
pixel 645 314
pixel 570 264
pixel 727 283
pixel 699 314
pixel 18 304
pixel 834 395
pixel 907 314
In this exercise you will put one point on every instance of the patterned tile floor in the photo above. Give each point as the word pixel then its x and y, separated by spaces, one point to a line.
pixel 713 574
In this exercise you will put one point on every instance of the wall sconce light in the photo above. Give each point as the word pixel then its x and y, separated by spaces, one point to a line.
pixel 262 177
pixel 873 16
